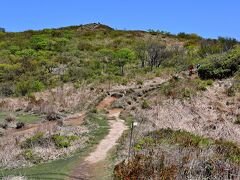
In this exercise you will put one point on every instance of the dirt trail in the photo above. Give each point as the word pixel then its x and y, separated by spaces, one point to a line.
pixel 47 126
pixel 105 102
pixel 117 127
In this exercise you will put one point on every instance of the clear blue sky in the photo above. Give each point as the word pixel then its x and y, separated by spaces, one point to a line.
pixel 209 18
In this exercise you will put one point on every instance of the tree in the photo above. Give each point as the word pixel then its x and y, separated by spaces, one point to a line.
pixel 123 56
pixel 105 56
pixel 156 53
pixel 142 54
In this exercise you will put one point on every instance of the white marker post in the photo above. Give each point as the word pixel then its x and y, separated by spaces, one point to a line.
pixel 133 124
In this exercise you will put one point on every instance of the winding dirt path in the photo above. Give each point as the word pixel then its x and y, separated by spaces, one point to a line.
pixel 117 127
pixel 47 126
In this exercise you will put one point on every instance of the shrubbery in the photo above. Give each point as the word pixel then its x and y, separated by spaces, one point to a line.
pixel 159 154
pixel 63 141
pixel 26 87
pixel 28 59
pixel 36 140
pixel 184 88
pixel 145 104
pixel 221 66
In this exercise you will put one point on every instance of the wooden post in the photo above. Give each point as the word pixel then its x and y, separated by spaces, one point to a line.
pixel 130 144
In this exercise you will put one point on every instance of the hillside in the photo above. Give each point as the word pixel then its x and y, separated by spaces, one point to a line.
pixel 36 60
pixel 69 96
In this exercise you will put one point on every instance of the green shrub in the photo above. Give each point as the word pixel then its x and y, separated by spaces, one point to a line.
pixel 36 140
pixel 221 66
pixel 26 87
pixel 139 82
pixel 180 137
pixel 209 82
pixel 166 89
pixel 186 93
pixel 26 53
pixel 77 85
pixel 63 141
pixel 13 49
pixel 40 42
pixel 202 85
pixel 145 105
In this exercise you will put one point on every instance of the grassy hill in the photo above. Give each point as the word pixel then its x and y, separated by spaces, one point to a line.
pixel 31 61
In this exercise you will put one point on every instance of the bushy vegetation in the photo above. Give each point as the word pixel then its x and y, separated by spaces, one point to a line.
pixel 36 140
pixel 145 104
pixel 99 128
pixel 221 66
pixel 184 88
pixel 31 61
pixel 169 154
pixel 63 141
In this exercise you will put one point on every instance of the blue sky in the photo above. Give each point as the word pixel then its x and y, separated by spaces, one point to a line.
pixel 208 18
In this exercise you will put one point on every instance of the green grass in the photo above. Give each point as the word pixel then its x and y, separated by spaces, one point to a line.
pixel 22 117
pixel 60 169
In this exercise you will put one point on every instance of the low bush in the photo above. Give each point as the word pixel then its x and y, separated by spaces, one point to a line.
pixel 63 141
pixel 186 92
pixel 202 85
pixel 36 140
pixel 26 87
pixel 145 105
pixel 162 154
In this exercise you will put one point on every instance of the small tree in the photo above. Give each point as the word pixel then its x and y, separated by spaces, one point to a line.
pixel 141 52
pixel 105 56
pixel 156 54
pixel 123 56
